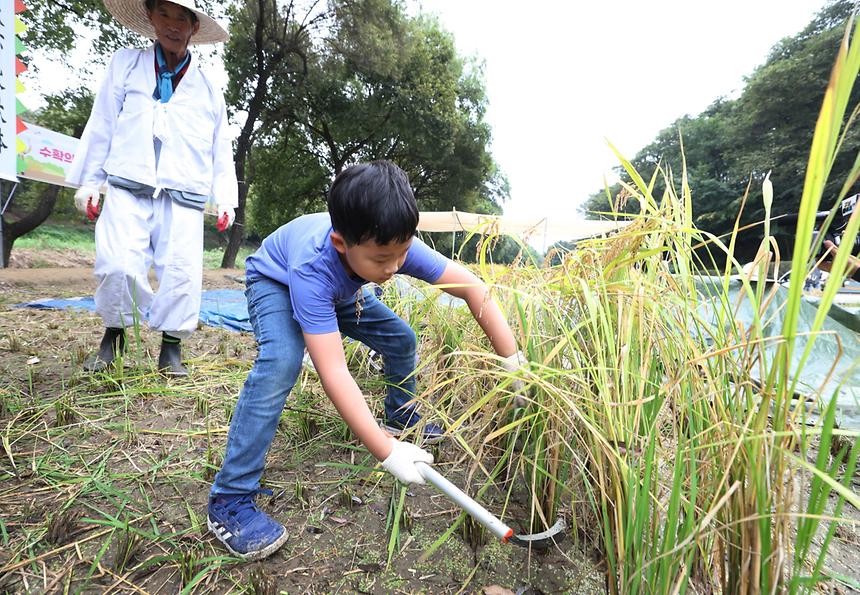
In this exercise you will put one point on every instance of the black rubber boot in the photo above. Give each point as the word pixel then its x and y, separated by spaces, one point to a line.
pixel 170 358
pixel 112 343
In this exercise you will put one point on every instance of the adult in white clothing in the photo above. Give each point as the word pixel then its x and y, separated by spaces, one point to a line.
pixel 157 140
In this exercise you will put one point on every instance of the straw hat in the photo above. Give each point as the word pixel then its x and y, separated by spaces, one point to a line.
pixel 132 14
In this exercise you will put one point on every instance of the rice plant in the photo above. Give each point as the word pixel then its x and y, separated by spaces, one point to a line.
pixel 398 519
pixel 658 412
pixel 128 547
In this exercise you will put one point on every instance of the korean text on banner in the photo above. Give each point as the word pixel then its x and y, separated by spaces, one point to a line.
pixel 48 154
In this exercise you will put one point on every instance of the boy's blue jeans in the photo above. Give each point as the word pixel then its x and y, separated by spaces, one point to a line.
pixel 281 347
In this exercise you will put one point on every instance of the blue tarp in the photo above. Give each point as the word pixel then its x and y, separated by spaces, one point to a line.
pixel 222 308
pixel 80 303
pixel 832 370
pixel 225 308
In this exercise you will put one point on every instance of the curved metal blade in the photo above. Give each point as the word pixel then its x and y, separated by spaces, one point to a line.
pixel 543 540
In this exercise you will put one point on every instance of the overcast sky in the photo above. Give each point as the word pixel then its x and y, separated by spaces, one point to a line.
pixel 562 77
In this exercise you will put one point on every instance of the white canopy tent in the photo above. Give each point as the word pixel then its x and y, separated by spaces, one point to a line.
pixel 556 227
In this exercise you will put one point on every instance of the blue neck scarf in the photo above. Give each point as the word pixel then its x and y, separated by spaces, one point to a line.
pixel 164 84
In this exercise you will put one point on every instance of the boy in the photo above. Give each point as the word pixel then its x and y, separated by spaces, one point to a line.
pixel 305 288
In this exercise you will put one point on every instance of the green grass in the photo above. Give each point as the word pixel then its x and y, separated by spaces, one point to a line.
pixel 212 257
pixel 52 236
pixel 107 477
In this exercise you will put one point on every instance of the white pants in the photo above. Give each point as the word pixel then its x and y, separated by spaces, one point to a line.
pixel 133 234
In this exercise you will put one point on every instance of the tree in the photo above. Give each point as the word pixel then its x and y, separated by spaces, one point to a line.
pixel 280 170
pixel 777 111
pixel 267 52
pixel 768 128
pixel 318 86
pixel 372 84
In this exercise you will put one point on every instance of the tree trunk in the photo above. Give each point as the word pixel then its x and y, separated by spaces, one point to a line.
pixel 14 230
pixel 7 243
pixel 237 231
pixel 284 45
pixel 243 146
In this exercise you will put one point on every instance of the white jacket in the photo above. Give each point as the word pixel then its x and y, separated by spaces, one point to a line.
pixel 196 153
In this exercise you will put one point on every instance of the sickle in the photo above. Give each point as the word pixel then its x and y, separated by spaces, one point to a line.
pixel 538 541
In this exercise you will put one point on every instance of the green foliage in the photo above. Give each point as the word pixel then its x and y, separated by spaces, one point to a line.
pixel 66 112
pixel 775 115
pixel 355 82
pixel 737 141
pixel 288 183
pixel 321 86
pixel 55 28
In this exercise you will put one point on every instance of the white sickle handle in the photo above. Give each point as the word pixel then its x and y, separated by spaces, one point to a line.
pixel 478 512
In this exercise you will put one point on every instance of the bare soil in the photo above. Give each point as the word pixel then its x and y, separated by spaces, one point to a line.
pixel 336 517
pixel 24 258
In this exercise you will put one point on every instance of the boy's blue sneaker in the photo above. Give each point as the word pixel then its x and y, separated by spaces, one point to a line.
pixel 433 433
pixel 244 529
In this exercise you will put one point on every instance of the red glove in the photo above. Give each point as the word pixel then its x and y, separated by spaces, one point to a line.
pixel 93 211
pixel 226 217
pixel 87 201
pixel 223 222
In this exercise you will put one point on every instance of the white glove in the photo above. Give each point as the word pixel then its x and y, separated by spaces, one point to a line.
pixel 86 195
pixel 401 462
pixel 512 364
pixel 226 216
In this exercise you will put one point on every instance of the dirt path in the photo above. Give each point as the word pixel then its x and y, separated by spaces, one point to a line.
pixel 82 277
pixel 47 277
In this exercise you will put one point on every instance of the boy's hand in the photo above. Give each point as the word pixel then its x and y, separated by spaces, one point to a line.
pixel 401 461
pixel 512 364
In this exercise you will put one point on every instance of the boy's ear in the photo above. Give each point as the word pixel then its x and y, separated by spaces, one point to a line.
pixel 338 242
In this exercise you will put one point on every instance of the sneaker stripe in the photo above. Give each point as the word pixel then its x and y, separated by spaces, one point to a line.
pixel 221 531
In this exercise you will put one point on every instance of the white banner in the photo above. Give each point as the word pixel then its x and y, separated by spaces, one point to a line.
pixel 8 81
pixel 46 154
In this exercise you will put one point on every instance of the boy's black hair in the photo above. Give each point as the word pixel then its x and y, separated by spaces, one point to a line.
pixel 373 201
pixel 152 4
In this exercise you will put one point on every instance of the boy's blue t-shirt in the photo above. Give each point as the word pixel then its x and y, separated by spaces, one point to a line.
pixel 301 256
